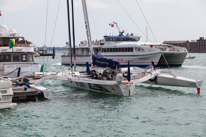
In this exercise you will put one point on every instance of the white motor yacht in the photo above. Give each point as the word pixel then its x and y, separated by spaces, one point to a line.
pixel 6 94
pixel 20 55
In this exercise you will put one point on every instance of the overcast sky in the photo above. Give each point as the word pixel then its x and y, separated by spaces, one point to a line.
pixel 168 19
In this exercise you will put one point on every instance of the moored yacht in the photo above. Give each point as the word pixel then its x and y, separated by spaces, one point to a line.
pixel 6 94
pixel 15 52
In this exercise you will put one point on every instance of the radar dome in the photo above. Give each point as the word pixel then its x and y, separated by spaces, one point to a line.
pixel 12 31
pixel 3 28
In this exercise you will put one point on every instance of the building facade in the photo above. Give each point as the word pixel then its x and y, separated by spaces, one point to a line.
pixel 193 46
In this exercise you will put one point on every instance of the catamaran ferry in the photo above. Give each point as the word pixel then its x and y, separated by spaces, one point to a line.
pixel 120 48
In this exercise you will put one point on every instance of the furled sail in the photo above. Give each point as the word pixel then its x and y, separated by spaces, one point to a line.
pixel 104 62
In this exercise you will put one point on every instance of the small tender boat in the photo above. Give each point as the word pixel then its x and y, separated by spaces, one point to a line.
pixel 6 94
pixel 190 57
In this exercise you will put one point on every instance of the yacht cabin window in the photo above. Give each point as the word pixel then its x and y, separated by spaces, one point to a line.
pixel 5 58
pixel 30 58
pixel 23 58
pixel 16 58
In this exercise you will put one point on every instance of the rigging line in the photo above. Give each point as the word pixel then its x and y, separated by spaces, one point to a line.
pixel 73 33
pixel 46 21
pixel 146 20
pixel 132 19
pixel 95 30
pixel 46 28
pixel 55 23
pixel 54 29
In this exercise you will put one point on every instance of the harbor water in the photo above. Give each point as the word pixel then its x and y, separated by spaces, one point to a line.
pixel 151 111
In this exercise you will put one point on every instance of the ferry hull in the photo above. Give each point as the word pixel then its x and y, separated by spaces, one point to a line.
pixel 135 60
pixel 173 59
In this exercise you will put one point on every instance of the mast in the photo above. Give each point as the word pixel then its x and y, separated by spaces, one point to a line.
pixel 69 35
pixel 117 26
pixel 87 28
pixel 73 36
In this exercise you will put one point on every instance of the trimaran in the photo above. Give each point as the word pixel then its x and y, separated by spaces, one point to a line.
pixel 115 80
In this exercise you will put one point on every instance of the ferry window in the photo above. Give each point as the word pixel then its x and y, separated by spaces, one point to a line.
pixel 120 49
pixel 110 39
pixel 23 58
pixel 110 50
pixel 16 58
pixel 125 49
pixel 116 49
pixel 107 50
pixel 113 50
pixel 129 49
pixel 30 58
pixel 137 49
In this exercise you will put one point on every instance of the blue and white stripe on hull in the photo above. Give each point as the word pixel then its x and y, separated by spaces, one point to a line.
pixel 121 65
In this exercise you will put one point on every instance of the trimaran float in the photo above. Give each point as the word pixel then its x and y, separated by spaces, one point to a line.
pixel 114 80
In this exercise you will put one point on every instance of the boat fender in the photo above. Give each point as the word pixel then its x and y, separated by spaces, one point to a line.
pixel 119 78
pixel 154 79
pixel 145 73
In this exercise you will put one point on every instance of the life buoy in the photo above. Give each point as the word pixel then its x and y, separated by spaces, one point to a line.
pixel 142 50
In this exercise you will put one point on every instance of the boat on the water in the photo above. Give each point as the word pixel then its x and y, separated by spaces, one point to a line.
pixel 190 57
pixel 172 56
pixel 15 52
pixel 125 47
pixel 6 94
pixel 114 79
pixel 120 81
pixel 122 47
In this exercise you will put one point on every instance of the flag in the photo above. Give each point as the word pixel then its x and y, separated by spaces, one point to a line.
pixel 0 13
pixel 11 43
pixel 42 68
pixel 112 25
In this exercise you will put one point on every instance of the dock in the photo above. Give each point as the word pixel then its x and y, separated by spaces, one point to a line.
pixel 43 52
pixel 20 95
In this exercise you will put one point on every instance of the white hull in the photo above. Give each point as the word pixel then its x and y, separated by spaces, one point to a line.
pixel 24 69
pixel 109 87
pixel 167 79
pixel 6 102
pixel 6 95
pixel 141 60
pixel 158 77
pixel 174 59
